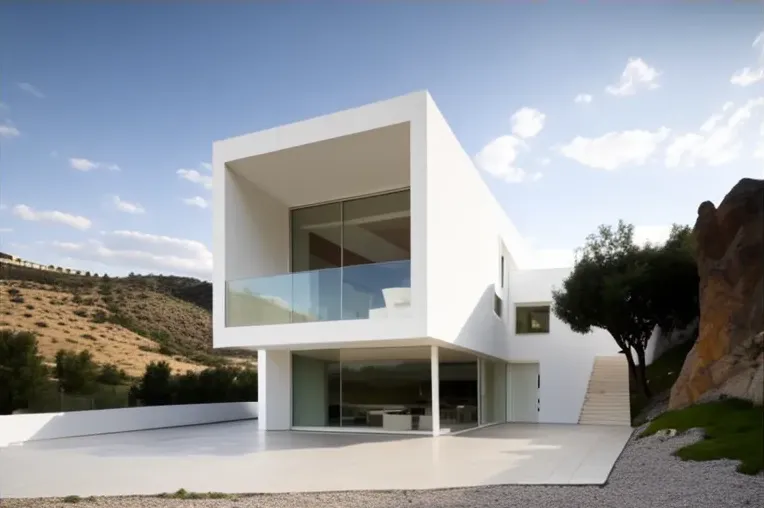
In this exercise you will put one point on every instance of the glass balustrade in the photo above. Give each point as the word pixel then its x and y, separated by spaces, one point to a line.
pixel 370 291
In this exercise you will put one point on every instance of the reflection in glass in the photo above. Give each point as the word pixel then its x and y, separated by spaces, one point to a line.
pixel 387 388
pixel 458 395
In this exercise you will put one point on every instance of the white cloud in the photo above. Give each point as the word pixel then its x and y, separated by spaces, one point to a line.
pixel 143 251
pixel 27 213
pixel 194 176
pixel 88 165
pixel 126 206
pixel 545 161
pixel 615 149
pixel 497 158
pixel 8 131
pixel 583 98
pixel 637 75
pixel 31 89
pixel 758 152
pixel 718 141
pixel 206 165
pixel 197 201
pixel 749 75
pixel 527 122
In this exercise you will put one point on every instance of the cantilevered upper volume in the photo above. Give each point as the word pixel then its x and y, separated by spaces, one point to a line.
pixel 368 235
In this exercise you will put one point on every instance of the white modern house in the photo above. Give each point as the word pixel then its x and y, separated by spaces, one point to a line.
pixel 365 259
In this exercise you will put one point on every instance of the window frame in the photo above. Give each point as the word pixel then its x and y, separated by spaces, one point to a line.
pixel 534 306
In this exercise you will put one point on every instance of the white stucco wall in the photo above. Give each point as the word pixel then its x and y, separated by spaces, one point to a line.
pixel 274 389
pixel 465 224
pixel 36 427
pixel 565 358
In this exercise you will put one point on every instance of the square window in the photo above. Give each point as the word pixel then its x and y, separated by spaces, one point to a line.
pixel 498 303
pixel 532 319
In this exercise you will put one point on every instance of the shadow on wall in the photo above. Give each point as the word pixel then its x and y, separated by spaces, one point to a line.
pixel 41 426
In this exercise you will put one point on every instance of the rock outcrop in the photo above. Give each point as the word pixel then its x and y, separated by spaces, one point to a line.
pixel 728 357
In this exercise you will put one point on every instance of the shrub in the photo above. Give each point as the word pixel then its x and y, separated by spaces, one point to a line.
pixel 76 372
pixel 155 387
pixel 17 299
pixel 99 316
pixel 13 291
pixel 42 324
pixel 27 315
pixel 87 336
pixel 110 374
pixel 30 307
pixel 22 370
pixel 80 312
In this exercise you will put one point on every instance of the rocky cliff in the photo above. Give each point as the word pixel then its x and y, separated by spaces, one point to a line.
pixel 728 357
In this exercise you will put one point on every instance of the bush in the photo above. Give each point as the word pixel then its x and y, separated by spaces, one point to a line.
pixel 80 312
pixel 111 375
pixel 76 372
pixel 99 316
pixel 17 299
pixel 218 384
pixel 42 324
pixel 155 389
pixel 22 370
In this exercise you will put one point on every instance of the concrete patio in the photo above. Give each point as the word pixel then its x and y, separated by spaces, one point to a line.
pixel 236 458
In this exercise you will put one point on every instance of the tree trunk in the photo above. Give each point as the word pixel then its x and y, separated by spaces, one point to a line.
pixel 632 368
pixel 642 372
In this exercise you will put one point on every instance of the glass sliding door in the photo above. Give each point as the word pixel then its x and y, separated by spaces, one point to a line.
pixel 382 388
pixel 351 259
pixel 458 390
pixel 316 262
pixel 376 276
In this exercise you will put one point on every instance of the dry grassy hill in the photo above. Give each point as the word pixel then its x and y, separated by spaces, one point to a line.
pixel 129 321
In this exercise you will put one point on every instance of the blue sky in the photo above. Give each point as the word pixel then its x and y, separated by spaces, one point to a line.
pixel 144 87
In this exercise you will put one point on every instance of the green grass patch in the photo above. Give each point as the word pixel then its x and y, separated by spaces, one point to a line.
pixel 734 430
pixel 661 375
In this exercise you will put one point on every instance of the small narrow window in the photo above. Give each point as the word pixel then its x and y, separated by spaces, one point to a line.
pixel 502 271
pixel 532 320
pixel 497 304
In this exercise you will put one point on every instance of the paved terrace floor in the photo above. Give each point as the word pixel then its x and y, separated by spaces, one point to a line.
pixel 236 458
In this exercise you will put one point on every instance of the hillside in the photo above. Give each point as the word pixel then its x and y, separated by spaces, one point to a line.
pixel 129 321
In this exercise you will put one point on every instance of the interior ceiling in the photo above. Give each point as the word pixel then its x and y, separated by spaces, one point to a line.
pixel 392 353
pixel 339 168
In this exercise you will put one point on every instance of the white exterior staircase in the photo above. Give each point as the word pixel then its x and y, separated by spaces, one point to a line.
pixel 607 397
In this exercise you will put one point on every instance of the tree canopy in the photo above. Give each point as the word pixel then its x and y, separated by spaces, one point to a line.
pixel 22 370
pixel 628 289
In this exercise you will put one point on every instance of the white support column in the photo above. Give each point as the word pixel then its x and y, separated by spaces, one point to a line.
pixel 435 389
pixel 274 389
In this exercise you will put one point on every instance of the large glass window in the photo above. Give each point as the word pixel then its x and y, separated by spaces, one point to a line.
pixel 387 388
pixel 351 259
pixel 458 391
pixel 390 389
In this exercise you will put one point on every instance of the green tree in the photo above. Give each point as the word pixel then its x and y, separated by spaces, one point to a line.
pixel 22 370
pixel 156 386
pixel 246 385
pixel 110 374
pixel 76 372
pixel 628 290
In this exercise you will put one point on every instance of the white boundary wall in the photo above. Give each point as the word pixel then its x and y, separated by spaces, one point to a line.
pixel 35 427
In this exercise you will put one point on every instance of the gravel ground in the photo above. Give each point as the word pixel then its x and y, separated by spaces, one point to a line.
pixel 646 475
